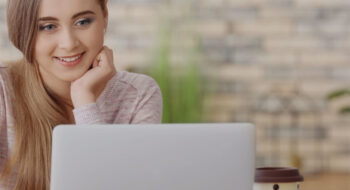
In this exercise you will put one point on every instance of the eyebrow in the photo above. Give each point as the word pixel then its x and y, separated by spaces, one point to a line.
pixel 73 17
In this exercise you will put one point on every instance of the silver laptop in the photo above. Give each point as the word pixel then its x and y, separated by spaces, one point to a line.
pixel 153 157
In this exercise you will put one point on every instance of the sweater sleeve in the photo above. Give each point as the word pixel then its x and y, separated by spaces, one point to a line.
pixel 149 104
pixel 88 114
pixel 129 98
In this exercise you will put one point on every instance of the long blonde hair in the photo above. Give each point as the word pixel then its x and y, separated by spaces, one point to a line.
pixel 36 110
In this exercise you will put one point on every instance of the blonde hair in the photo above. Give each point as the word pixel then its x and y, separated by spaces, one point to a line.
pixel 36 110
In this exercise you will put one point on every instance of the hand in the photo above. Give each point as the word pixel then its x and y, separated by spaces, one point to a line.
pixel 88 88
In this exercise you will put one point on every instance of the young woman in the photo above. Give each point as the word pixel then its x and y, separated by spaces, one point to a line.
pixel 66 76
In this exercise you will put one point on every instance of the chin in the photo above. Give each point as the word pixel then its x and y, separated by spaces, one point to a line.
pixel 71 77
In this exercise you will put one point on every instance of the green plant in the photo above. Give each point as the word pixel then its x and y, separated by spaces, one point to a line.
pixel 339 94
pixel 180 83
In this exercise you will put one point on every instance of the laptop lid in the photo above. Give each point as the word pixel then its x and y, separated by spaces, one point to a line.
pixel 153 157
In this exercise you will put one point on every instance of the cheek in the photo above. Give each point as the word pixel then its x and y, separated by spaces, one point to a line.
pixel 43 47
pixel 94 39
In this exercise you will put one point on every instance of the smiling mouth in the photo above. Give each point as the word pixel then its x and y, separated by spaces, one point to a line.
pixel 70 59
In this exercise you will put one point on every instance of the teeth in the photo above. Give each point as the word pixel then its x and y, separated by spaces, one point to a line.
pixel 70 59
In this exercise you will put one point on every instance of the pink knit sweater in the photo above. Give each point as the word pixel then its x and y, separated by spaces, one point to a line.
pixel 127 98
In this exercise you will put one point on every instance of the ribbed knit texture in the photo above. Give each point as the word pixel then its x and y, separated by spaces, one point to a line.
pixel 127 98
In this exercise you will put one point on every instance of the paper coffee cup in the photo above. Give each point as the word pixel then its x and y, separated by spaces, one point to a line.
pixel 277 178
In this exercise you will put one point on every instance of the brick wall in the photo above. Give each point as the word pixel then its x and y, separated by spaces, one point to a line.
pixel 270 62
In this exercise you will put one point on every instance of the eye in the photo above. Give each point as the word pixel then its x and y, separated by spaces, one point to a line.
pixel 47 27
pixel 84 22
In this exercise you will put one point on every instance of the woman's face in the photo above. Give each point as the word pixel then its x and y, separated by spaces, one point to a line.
pixel 70 35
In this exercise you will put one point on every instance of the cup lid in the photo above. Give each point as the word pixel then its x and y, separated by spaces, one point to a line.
pixel 277 175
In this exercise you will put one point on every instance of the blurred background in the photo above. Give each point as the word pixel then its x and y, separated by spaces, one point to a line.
pixel 280 64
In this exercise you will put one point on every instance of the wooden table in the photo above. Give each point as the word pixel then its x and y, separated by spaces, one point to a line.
pixel 327 181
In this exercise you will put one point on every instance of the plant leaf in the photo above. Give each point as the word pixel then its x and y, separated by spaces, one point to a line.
pixel 345 110
pixel 337 94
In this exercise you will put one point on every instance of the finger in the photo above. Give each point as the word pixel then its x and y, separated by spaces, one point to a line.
pixel 95 64
pixel 103 57
pixel 106 51
pixel 106 58
pixel 110 57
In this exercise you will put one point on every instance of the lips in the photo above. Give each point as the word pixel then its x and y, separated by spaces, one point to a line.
pixel 70 60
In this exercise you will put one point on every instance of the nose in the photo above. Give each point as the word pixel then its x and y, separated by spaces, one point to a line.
pixel 68 40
